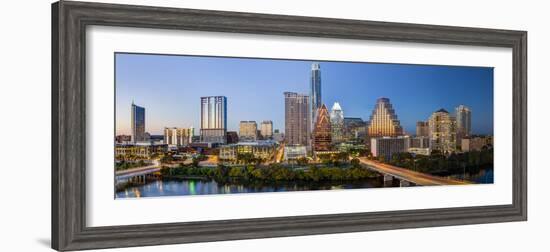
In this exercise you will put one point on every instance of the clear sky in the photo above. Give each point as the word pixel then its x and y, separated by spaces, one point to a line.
pixel 170 87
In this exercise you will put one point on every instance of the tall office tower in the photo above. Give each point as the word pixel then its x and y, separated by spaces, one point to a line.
pixel 138 123
pixel 266 129
pixel 463 122
pixel 178 136
pixel 315 91
pixel 213 119
pixel 322 130
pixel 383 121
pixel 247 131
pixel 442 131
pixel 422 128
pixel 337 123
pixel 297 119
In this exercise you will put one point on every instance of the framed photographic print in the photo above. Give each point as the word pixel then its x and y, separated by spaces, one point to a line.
pixel 177 125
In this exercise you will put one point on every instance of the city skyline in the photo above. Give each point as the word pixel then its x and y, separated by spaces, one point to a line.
pixel 161 84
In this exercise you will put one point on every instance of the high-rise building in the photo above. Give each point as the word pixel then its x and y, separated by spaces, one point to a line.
pixel 383 121
pixel 266 129
pixel 297 119
pixel 386 147
pixel 463 121
pixel 138 123
pixel 442 131
pixel 315 91
pixel 178 136
pixel 213 119
pixel 337 123
pixel 247 131
pixel 422 129
pixel 322 131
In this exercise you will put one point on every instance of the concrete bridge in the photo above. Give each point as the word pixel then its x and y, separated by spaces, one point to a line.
pixel 137 175
pixel 407 176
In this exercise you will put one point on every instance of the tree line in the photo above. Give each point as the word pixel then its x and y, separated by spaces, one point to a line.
pixel 272 173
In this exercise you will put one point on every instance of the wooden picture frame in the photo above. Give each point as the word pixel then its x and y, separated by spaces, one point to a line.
pixel 69 20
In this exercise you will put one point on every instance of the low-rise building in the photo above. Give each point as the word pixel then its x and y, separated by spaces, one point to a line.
pixel 259 149
pixel 475 143
pixel 420 151
pixel 419 142
pixel 138 150
pixel 387 146
pixel 120 139
pixel 293 152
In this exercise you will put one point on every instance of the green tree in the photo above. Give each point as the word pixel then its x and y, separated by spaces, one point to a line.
pixel 236 172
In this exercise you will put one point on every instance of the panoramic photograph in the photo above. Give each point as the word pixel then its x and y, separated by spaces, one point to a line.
pixel 201 125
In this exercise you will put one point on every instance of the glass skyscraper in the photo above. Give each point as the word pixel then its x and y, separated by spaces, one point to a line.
pixel 213 119
pixel 315 91
pixel 463 121
pixel 138 123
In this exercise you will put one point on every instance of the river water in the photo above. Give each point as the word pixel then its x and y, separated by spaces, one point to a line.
pixel 174 187
pixel 180 187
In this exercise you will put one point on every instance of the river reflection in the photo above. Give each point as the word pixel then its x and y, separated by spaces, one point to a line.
pixel 483 176
pixel 173 187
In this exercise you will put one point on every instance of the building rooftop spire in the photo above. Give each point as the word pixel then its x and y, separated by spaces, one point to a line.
pixel 315 66
pixel 336 106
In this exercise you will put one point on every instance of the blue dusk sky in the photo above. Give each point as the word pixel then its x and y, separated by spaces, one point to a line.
pixel 170 87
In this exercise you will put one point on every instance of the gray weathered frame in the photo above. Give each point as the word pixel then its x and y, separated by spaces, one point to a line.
pixel 69 20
